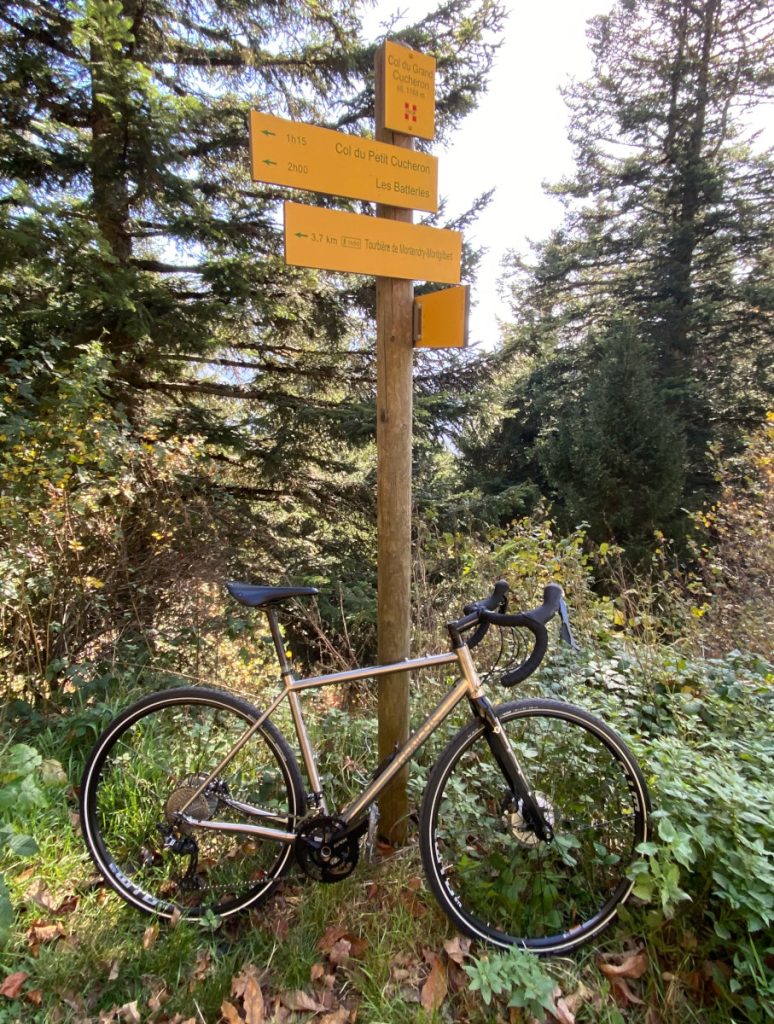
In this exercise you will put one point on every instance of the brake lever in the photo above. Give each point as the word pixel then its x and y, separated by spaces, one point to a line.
pixel 565 632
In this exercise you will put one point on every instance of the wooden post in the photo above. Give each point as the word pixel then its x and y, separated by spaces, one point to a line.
pixel 394 395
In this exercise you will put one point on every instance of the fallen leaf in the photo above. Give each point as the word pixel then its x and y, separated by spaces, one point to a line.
pixel 317 972
pixel 457 948
pixel 632 966
pixel 435 987
pixel 175 918
pixel 333 933
pixel 157 1000
pixel 34 996
pixel 340 1016
pixel 300 1000
pixel 339 952
pixel 12 985
pixel 230 1013
pixel 252 1000
pixel 562 1012
pixel 40 932
pixel 39 893
pixel 149 936
pixel 202 965
pixel 129 1013
pixel 623 994
pixel 114 970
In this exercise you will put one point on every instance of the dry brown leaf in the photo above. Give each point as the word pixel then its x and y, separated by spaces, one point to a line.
pixel 12 986
pixel 435 987
pixel 150 935
pixel 229 1013
pixel 300 1000
pixel 339 952
pixel 562 1012
pixel 340 1016
pixel 39 893
pixel 252 1000
pixel 157 1000
pixel 34 996
pixel 632 966
pixel 333 933
pixel 175 918
pixel 623 994
pixel 457 948
pixel 202 965
pixel 114 970
pixel 129 1013
pixel 40 932
pixel 317 972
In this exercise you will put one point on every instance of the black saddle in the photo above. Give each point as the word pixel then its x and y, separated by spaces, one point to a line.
pixel 255 596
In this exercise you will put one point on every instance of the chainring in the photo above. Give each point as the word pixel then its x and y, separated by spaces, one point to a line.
pixel 325 851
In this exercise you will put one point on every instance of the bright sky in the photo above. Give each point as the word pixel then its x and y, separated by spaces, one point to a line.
pixel 516 139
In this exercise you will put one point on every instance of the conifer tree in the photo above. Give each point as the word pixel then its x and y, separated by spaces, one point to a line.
pixel 132 237
pixel 667 226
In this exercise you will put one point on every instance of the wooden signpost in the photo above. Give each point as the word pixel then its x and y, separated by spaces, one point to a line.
pixel 390 172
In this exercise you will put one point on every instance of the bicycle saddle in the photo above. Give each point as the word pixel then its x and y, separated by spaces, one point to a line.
pixel 256 596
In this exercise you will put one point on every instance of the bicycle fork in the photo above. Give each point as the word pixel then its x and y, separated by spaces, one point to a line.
pixel 526 800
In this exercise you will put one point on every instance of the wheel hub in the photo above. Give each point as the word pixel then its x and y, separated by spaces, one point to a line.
pixel 202 807
pixel 518 826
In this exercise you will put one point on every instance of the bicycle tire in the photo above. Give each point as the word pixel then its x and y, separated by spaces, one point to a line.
pixel 144 766
pixel 490 873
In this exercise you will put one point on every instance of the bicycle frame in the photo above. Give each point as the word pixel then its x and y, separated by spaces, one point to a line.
pixel 468 686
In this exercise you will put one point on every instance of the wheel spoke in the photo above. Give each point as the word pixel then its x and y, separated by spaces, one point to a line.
pixel 483 861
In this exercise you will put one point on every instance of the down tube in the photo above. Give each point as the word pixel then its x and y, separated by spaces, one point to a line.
pixel 407 751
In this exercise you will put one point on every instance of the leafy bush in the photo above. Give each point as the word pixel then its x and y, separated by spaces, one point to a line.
pixel 26 780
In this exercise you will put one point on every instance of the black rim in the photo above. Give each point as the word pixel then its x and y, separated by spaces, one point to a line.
pixel 131 778
pixel 496 879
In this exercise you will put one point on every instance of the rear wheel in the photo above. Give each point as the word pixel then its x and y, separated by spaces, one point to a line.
pixel 143 771
pixel 491 873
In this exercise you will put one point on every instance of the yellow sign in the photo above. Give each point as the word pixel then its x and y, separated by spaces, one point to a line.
pixel 320 160
pixel 409 91
pixel 356 244
pixel 441 318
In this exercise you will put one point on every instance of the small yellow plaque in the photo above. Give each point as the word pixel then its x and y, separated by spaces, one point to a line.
pixel 441 318
pixel 356 244
pixel 409 91
pixel 320 160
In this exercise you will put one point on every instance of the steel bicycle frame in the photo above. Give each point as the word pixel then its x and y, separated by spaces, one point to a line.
pixel 468 686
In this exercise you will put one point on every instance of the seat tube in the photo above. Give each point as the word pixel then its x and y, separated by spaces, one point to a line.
pixel 304 742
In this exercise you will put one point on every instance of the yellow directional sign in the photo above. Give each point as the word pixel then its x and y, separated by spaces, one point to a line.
pixel 409 91
pixel 356 244
pixel 441 318
pixel 320 160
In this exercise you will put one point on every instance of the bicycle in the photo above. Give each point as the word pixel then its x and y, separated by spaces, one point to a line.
pixel 193 801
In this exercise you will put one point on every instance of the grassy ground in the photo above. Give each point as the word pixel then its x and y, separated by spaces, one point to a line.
pixel 375 947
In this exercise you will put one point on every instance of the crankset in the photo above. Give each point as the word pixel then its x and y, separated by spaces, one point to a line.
pixel 327 849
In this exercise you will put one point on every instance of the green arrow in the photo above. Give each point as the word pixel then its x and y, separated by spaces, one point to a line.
pixel 269 162
pixel 267 132
pixel 300 234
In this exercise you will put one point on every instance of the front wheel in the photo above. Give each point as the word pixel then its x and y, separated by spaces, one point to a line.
pixel 490 872
pixel 143 772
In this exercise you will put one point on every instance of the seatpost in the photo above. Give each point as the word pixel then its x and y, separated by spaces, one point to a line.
pixel 279 646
